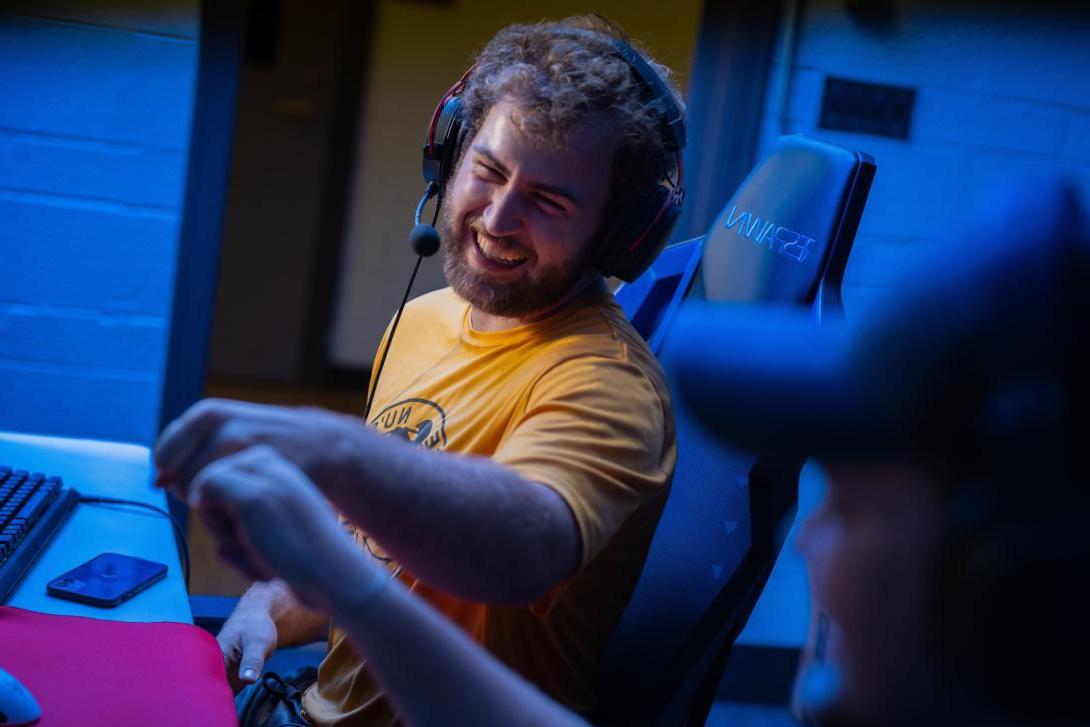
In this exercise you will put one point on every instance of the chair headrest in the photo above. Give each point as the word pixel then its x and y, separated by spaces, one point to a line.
pixel 774 237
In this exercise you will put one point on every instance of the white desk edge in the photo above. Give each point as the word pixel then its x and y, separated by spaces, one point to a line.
pixel 104 469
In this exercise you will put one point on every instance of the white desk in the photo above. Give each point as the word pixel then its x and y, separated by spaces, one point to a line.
pixel 102 469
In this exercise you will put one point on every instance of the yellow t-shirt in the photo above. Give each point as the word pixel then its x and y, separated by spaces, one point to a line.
pixel 575 401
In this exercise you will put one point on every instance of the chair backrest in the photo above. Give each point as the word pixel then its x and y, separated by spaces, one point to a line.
pixel 784 237
pixel 652 300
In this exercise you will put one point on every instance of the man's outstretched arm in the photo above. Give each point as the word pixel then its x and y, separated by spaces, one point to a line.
pixel 464 524
pixel 273 521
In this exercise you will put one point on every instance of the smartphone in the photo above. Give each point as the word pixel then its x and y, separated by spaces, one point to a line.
pixel 107 580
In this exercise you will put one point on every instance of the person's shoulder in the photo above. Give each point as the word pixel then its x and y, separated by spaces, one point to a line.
pixel 602 317
pixel 611 312
pixel 599 330
pixel 595 352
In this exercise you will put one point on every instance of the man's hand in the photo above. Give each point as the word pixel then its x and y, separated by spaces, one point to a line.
pixel 215 428
pixel 270 520
pixel 246 640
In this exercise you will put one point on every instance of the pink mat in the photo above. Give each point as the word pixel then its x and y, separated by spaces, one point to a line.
pixel 85 671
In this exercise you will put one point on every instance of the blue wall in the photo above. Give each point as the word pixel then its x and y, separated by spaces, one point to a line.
pixel 1001 95
pixel 94 126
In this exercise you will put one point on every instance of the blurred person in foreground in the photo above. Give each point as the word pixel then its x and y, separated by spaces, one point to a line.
pixel 948 552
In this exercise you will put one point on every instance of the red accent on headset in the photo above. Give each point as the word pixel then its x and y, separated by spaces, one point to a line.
pixel 453 91
pixel 678 192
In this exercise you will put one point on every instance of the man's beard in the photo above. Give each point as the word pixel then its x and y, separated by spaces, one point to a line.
pixel 536 291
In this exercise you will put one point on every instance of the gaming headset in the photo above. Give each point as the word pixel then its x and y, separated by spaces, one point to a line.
pixel 631 241
pixel 624 248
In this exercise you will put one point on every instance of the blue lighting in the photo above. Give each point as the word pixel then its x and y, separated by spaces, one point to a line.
pixel 94 129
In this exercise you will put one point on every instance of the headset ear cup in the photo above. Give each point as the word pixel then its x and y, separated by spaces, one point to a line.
pixel 640 257
pixel 452 142
pixel 631 244
pixel 441 150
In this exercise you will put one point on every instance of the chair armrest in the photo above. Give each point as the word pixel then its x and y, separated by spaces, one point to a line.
pixel 209 612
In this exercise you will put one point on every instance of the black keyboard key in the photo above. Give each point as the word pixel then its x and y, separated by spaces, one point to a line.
pixel 33 508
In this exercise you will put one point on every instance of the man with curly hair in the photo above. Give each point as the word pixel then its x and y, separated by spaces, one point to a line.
pixel 547 418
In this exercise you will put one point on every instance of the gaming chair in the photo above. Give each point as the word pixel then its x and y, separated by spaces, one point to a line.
pixel 783 238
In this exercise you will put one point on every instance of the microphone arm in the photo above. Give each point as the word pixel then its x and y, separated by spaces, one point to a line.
pixel 424 240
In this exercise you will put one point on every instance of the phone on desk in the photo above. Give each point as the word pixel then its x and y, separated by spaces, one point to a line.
pixel 107 580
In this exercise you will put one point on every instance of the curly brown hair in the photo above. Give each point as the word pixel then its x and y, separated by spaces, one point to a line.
pixel 561 73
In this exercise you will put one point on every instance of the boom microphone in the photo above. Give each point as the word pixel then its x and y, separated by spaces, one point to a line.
pixel 424 238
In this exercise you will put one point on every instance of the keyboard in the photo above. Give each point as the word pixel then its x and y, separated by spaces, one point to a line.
pixel 32 509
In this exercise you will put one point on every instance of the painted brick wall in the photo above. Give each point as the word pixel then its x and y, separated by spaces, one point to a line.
pixel 1000 95
pixel 94 122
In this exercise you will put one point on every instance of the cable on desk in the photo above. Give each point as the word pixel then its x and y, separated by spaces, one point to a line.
pixel 183 550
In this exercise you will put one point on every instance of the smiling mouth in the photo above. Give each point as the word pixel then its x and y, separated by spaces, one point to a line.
pixel 495 254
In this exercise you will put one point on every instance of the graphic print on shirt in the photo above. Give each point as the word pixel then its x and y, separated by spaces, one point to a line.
pixel 419 421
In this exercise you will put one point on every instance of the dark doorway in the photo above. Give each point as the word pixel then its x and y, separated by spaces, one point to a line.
pixel 299 94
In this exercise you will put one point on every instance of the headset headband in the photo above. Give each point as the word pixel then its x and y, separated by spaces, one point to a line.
pixel 671 121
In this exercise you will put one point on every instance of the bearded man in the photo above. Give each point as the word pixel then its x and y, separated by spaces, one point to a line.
pixel 533 440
